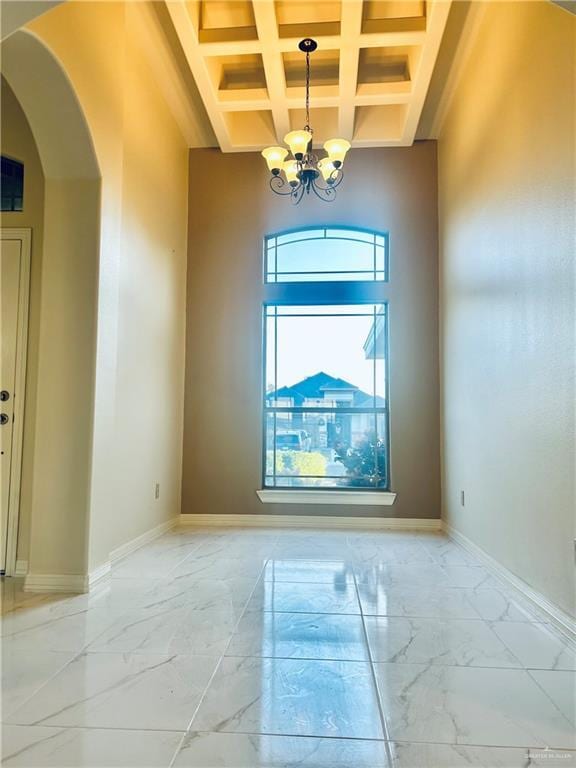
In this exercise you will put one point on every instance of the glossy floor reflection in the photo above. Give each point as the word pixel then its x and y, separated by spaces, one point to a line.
pixel 253 648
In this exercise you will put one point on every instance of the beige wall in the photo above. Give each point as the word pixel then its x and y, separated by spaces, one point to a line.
pixel 152 306
pixel 18 143
pixel 127 297
pixel 231 209
pixel 507 203
pixel 140 348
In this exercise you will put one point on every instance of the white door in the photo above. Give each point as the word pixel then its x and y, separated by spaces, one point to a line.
pixel 14 289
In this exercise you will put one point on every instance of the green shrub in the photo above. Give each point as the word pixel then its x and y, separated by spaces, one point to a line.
pixel 296 463
pixel 365 463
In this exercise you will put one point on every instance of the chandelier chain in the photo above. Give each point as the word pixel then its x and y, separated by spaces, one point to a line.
pixel 307 90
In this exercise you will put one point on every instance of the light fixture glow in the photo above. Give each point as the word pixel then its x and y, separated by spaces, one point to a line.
pixel 304 172
pixel 337 149
pixel 327 169
pixel 291 171
pixel 274 157
pixel 298 142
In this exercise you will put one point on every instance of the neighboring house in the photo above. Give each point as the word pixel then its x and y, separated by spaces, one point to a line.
pixel 323 390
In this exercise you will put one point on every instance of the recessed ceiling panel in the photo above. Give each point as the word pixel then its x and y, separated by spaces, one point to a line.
pixel 372 122
pixel 380 16
pixel 323 119
pixel 225 20
pixel 370 73
pixel 326 65
pixel 240 72
pixel 250 130
pixel 305 18
pixel 387 65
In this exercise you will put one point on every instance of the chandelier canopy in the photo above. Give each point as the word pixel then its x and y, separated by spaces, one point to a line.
pixel 305 172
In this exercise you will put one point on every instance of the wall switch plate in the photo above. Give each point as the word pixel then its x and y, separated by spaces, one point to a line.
pixel 462 499
pixel 157 491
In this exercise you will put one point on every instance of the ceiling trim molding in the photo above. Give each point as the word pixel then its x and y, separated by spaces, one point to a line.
pixel 190 44
pixel 466 42
pixel 168 77
pixel 566 5
pixel 435 25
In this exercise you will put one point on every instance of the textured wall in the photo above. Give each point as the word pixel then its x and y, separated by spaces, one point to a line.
pixel 507 202
pixel 231 209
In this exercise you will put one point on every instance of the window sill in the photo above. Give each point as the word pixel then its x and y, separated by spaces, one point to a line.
pixel 352 498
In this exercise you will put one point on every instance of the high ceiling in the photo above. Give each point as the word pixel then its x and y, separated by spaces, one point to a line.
pixel 370 74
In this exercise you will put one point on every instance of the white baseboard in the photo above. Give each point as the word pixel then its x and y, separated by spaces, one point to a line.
pixel 78 583
pixel 311 521
pixel 55 582
pixel 21 568
pixel 97 575
pixel 143 539
pixel 550 611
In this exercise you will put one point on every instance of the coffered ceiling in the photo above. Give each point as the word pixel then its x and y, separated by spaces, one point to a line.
pixel 370 74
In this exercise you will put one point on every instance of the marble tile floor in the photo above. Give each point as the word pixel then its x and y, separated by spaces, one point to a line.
pixel 284 648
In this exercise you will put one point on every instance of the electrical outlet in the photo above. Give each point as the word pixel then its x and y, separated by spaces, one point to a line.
pixel 462 499
pixel 157 491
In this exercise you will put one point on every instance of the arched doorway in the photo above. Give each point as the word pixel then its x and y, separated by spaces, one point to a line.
pixel 58 464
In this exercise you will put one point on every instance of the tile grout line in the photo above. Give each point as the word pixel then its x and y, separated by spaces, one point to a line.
pixel 536 682
pixel 217 667
pixel 383 720
pixel 42 685
pixel 290 736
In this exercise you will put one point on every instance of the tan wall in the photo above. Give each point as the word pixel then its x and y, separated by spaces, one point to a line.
pixel 231 209
pixel 18 143
pixel 507 203
pixel 133 373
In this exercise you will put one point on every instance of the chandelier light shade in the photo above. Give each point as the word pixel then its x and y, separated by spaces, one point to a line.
pixel 291 172
pixel 298 142
pixel 274 157
pixel 337 149
pixel 326 168
pixel 305 172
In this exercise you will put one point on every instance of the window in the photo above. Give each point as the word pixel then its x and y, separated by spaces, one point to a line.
pixel 12 185
pixel 326 254
pixel 326 357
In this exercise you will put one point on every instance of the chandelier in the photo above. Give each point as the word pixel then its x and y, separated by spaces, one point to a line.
pixel 305 172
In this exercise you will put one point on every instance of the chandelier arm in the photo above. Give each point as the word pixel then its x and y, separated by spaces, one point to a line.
pixel 297 194
pixel 337 177
pixel 277 184
pixel 326 194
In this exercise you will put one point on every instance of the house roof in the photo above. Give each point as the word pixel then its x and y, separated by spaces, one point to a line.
pixel 315 387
